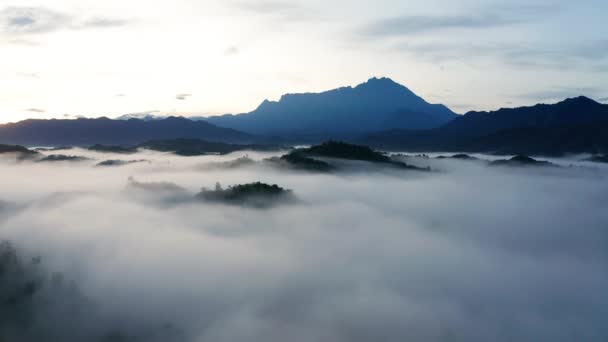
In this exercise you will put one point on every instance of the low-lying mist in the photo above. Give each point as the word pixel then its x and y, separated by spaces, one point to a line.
pixel 466 252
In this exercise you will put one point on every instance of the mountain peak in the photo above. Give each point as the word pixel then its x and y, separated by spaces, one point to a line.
pixel 382 81
pixel 579 100
pixel 385 86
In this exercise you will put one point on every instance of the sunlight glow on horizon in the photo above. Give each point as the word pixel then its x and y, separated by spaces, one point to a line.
pixel 80 58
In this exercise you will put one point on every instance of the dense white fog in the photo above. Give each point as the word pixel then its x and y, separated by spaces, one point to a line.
pixel 465 253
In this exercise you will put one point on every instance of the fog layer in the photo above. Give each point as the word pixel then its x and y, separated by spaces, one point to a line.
pixel 466 253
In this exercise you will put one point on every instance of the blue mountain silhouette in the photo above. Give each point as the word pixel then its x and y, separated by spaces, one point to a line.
pixel 379 104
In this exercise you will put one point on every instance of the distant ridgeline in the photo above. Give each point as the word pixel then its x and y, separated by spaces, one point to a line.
pixel 577 125
pixel 85 132
pixel 379 113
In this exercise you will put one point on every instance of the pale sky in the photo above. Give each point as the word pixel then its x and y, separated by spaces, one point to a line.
pixel 70 58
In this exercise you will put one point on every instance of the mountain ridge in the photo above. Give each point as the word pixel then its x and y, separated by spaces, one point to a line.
pixel 378 103
pixel 84 131
pixel 568 126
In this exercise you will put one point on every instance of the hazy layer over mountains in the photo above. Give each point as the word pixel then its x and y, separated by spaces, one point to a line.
pixel 467 252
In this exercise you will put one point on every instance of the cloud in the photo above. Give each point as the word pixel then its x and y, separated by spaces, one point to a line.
pixel 231 51
pixel 603 99
pixel 457 255
pixel 145 115
pixel 265 7
pixel 279 10
pixel 72 116
pixel 538 55
pixel 407 25
pixel 19 21
pixel 23 42
pixel 28 20
pixel 103 23
pixel 35 110
pixel 182 96
pixel 561 93
pixel 31 75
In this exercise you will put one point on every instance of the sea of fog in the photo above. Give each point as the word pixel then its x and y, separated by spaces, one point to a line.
pixel 464 253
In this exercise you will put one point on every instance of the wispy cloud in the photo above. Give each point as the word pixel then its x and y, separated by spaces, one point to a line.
pixel 35 110
pixel 231 51
pixel 20 21
pixel 100 22
pixel 28 75
pixel 280 10
pixel 28 20
pixel 588 55
pixel 561 93
pixel 406 25
pixel 182 97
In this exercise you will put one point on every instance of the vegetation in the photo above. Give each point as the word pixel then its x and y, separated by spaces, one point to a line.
pixel 115 162
pixel 341 150
pixel 61 158
pixel 197 147
pixel 298 161
pixel 231 164
pixel 519 161
pixel 20 151
pixel 113 149
pixel 34 304
pixel 461 156
pixel 155 186
pixel 255 194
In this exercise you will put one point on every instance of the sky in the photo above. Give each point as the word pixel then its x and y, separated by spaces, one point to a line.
pixel 73 58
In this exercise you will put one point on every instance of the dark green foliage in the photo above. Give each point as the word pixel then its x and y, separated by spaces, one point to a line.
pixel 155 187
pixel 231 164
pixel 113 149
pixel 255 194
pixel 21 152
pixel 62 157
pixel 20 280
pixel 15 149
pixel 253 189
pixel 520 161
pixel 197 147
pixel 341 150
pixel 299 161
pixel 38 305
pixel 461 156
pixel 115 162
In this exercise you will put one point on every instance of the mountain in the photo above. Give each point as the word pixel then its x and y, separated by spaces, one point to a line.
pixel 571 111
pixel 376 105
pixel 106 131
pixel 576 125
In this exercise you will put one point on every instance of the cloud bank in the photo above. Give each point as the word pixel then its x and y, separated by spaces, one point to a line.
pixel 468 253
